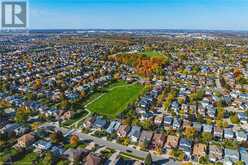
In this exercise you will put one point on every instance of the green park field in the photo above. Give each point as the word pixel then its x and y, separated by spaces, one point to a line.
pixel 151 53
pixel 115 99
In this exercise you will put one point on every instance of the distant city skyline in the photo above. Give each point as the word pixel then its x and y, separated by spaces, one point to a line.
pixel 139 14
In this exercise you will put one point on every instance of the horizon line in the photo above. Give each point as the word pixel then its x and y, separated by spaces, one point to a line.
pixel 186 29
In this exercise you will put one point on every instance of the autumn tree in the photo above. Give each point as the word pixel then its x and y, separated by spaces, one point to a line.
pixel 189 132
pixel 37 84
pixel 22 114
pixel 82 93
pixel 35 125
pixel 74 140
pixel 177 154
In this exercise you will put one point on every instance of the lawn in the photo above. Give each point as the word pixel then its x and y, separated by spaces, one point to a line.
pixel 130 156
pixel 80 114
pixel 151 53
pixel 6 154
pixel 75 118
pixel 96 94
pixel 115 99
pixel 28 159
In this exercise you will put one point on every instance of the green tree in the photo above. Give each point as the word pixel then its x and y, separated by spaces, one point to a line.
pixel 239 163
pixel 177 154
pixel 146 124
pixel 219 123
pixel 206 137
pixel 22 114
pixel 225 124
pixel 56 137
pixel 220 113
pixel 125 141
pixel 218 163
pixel 48 159
pixel 198 95
pixel 2 114
pixel 234 119
pixel 203 160
pixel 148 159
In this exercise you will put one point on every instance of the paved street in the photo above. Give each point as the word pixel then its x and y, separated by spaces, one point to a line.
pixel 116 146
pixel 218 86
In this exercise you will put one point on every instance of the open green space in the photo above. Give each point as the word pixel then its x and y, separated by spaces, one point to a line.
pixel 80 114
pixel 96 94
pixel 6 154
pixel 115 99
pixel 151 53
pixel 130 156
pixel 28 159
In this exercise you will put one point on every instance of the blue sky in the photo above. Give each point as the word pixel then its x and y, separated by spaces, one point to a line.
pixel 139 14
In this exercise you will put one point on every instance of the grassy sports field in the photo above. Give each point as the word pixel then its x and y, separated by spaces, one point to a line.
pixel 115 99
pixel 151 53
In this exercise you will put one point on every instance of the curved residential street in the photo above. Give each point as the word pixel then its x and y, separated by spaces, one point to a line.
pixel 160 159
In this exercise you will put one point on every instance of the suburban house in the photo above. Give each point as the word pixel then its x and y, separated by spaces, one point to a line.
pixel 241 136
pixel 215 153
pixel 207 128
pixel 93 159
pixel 231 155
pixel 21 130
pixel 243 155
pixel 100 122
pixel 134 134
pixel 67 115
pixel 88 123
pixel 176 123
pixel 42 145
pixel 145 138
pixel 123 130
pixel 186 123
pixel 228 133
pixel 211 111
pixel 9 129
pixel 186 146
pixel 113 126
pixel 171 142
pixel 74 154
pixel 158 120
pixel 197 126
pixel 218 132
pixel 201 110
pixel 199 150
pixel 242 117
pixel 57 150
pixel 25 140
pixel 158 140
pixel 168 121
